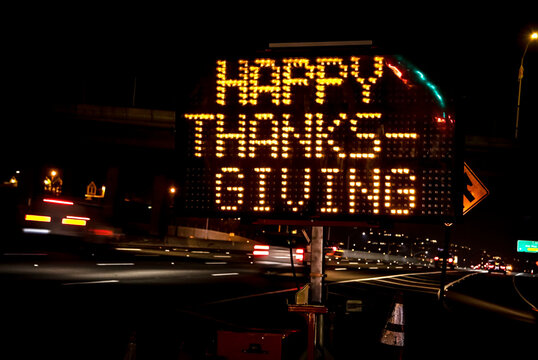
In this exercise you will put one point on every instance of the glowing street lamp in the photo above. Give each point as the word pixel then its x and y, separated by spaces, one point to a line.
pixel 534 36
pixel 53 183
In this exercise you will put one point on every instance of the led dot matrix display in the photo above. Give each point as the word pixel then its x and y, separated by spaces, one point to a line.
pixel 339 137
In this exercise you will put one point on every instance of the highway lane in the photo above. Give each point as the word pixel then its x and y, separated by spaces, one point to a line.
pixel 483 315
pixel 74 305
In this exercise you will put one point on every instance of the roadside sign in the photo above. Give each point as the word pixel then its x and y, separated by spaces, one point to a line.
pixel 342 137
pixel 474 190
pixel 528 246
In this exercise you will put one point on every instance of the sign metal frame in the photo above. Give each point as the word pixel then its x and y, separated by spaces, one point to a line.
pixel 312 213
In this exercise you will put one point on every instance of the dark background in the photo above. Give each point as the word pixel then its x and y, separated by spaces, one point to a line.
pixel 151 57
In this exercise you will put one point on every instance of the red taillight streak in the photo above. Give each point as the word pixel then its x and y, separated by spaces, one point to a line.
pixel 103 232
pixel 60 202
pixel 299 254
pixel 261 250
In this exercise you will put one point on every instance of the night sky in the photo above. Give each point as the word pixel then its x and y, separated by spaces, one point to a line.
pixel 472 55
pixel 93 54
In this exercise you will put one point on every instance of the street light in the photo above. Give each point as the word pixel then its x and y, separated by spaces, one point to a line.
pixel 533 36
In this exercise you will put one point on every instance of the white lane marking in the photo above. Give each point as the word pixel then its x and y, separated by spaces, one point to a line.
pixel 381 277
pixel 25 254
pixel 216 262
pixel 225 274
pixel 115 264
pixel 430 288
pixel 521 295
pixel 35 231
pixel 92 282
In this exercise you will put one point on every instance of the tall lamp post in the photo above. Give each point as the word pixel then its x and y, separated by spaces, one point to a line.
pixel 533 36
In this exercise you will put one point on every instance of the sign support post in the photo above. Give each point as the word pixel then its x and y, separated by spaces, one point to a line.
pixel 316 265
pixel 445 257
pixel 315 310
pixel 316 281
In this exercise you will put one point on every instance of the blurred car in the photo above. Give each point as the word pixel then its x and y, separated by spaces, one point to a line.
pixel 65 218
pixel 273 250
pixel 496 266
pixel 277 255
pixel 333 253
pixel 438 261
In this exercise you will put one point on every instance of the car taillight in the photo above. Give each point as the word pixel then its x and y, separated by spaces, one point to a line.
pixel 299 254
pixel 261 250
pixel 503 267
pixel 40 218
pixel 73 220
pixel 436 258
pixel 450 260
pixel 102 232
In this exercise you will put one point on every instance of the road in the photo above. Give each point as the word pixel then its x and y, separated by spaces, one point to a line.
pixel 59 304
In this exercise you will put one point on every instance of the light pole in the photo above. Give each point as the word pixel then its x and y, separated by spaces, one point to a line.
pixel 533 36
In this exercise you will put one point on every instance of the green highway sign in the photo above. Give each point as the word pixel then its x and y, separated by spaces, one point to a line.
pixel 529 246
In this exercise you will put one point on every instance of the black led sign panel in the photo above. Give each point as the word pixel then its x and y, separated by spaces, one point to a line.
pixel 329 137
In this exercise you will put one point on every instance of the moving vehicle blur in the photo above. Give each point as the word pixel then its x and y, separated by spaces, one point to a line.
pixel 277 249
pixel 450 261
pixel 496 266
pixel 65 217
pixel 333 253
pixel 277 255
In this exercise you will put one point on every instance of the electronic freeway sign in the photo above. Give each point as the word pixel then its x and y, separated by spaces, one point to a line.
pixel 340 137
pixel 529 246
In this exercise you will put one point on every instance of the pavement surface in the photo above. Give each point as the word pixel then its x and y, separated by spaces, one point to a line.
pixel 159 303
